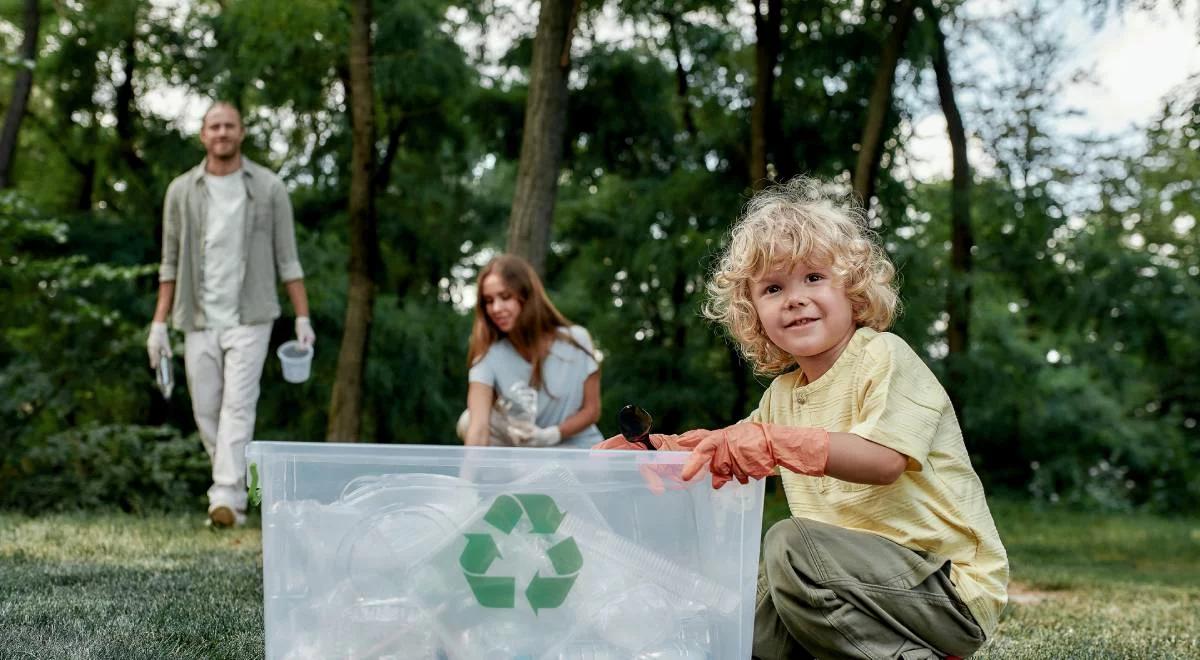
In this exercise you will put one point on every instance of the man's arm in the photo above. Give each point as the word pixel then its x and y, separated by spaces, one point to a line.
pixel 166 295
pixel 158 343
pixel 298 295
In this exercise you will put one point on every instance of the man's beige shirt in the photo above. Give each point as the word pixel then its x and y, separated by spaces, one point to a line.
pixel 268 251
pixel 879 389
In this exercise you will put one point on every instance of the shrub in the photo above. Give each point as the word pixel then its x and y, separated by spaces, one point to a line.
pixel 134 468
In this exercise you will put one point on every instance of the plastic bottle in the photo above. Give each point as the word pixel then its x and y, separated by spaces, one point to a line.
pixel 165 376
pixel 522 403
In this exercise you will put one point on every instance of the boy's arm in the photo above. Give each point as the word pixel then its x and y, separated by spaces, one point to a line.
pixel 752 450
pixel 856 459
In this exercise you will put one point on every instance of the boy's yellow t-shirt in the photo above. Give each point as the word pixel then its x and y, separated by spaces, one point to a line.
pixel 879 389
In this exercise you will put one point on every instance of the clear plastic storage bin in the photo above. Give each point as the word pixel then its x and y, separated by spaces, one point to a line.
pixel 414 552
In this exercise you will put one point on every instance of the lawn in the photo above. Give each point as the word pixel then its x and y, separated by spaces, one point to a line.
pixel 164 586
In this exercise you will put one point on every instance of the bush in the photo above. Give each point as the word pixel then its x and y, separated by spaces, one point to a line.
pixel 134 468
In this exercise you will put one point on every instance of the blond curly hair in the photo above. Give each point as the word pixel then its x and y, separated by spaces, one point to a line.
pixel 790 223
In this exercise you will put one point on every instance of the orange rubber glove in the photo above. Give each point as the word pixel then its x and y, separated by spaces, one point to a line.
pixel 661 441
pixel 659 478
pixel 752 450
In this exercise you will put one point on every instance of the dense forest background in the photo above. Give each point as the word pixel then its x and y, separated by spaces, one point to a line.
pixel 1051 281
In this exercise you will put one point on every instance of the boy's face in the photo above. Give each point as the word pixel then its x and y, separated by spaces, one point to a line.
pixel 806 313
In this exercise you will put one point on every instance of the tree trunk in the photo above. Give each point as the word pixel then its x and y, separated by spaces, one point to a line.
pixel 346 405
pixel 87 184
pixel 871 143
pixel 681 76
pixel 542 136
pixel 22 85
pixel 124 109
pixel 766 56
pixel 958 291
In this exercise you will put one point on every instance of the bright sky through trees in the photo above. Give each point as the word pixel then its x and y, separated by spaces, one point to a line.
pixel 1135 61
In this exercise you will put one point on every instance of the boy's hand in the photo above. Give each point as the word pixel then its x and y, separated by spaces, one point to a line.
pixel 661 441
pixel 659 477
pixel 752 450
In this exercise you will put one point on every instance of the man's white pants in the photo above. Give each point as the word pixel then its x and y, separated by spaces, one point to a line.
pixel 223 371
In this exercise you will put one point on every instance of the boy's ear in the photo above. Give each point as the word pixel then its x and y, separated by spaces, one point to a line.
pixel 858 305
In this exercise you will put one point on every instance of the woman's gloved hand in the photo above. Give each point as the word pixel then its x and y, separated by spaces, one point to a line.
pixel 534 436
pixel 752 450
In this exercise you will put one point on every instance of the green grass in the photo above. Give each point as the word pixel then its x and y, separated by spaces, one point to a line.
pixel 123 586
pixel 1092 585
pixel 1099 585
pixel 113 585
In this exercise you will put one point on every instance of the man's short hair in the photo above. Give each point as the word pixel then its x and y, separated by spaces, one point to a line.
pixel 221 104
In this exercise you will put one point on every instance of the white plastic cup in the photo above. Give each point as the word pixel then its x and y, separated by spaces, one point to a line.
pixel 296 359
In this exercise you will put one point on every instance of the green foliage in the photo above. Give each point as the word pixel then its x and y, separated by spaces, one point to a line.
pixel 73 372
pixel 134 468
pixel 1077 387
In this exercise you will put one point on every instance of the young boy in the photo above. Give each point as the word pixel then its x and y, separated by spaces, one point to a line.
pixel 891 551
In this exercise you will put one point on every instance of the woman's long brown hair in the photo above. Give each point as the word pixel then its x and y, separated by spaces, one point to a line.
pixel 535 328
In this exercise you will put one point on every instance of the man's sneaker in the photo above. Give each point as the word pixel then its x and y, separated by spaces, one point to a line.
pixel 222 516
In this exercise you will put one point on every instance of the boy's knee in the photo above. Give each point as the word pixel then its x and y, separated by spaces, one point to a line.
pixel 785 547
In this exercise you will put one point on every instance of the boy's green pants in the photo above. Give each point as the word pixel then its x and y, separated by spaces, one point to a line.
pixel 829 592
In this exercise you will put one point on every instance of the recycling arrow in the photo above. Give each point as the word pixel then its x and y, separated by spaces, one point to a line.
pixel 481 551
pixel 548 592
pixel 543 513
pixel 566 557
pixel 493 591
pixel 505 513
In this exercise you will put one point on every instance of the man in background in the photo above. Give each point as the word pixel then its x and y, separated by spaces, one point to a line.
pixel 228 234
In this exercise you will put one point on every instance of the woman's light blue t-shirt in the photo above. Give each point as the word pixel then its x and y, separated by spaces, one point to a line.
pixel 563 372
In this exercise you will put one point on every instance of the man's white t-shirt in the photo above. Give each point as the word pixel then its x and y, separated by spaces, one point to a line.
pixel 224 235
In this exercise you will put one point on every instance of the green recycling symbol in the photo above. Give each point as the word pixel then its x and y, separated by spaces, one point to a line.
pixel 543 591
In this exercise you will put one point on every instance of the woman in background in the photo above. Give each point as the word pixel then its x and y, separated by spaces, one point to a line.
pixel 534 380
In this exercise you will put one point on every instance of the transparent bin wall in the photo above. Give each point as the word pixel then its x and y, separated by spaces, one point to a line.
pixel 411 551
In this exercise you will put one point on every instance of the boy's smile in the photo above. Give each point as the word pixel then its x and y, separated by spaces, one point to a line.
pixel 805 312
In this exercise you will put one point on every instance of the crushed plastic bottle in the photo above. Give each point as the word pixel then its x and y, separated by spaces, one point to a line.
pixel 522 403
pixel 165 376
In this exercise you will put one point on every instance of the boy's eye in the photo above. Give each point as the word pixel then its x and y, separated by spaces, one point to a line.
pixel 814 277
pixel 772 288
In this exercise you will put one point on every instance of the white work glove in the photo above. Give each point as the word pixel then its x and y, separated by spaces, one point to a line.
pixel 304 331
pixel 538 437
pixel 158 343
